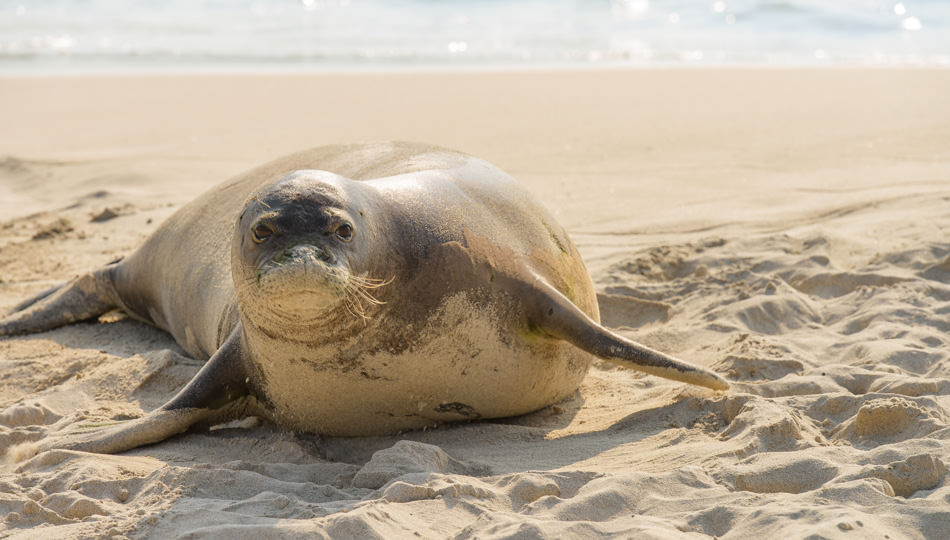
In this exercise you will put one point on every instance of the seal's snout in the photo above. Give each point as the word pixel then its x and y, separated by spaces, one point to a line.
pixel 306 267
pixel 304 254
pixel 303 281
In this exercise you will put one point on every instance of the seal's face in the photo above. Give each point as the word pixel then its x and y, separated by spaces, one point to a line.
pixel 298 247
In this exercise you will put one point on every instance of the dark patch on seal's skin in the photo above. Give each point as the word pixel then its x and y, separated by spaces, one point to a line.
pixel 460 409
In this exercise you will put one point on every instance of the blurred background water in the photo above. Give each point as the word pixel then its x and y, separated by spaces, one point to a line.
pixel 80 36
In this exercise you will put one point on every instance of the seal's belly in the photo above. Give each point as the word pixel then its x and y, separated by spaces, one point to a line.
pixel 393 399
pixel 466 364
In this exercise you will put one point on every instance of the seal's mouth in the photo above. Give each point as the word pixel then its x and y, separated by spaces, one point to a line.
pixel 303 279
pixel 306 282
pixel 305 258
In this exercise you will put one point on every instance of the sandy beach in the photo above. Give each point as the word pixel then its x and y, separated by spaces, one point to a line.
pixel 787 228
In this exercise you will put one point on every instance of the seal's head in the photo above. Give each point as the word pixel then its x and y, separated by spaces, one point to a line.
pixel 300 248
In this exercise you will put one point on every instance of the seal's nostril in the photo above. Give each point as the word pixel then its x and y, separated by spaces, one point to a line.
pixel 305 252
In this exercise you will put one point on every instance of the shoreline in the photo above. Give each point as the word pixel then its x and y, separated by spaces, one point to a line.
pixel 474 68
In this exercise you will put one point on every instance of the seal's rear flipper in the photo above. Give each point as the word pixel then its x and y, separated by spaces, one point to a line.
pixel 85 297
pixel 554 314
pixel 36 298
pixel 214 395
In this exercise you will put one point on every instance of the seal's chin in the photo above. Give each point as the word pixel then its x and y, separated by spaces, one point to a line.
pixel 303 305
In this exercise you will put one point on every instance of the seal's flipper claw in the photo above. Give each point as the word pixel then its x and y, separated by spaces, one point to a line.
pixel 85 297
pixel 214 395
pixel 553 313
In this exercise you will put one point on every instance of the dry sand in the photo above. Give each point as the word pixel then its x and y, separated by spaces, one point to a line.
pixel 787 228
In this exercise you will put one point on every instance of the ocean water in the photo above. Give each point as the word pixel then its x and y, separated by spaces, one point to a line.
pixel 78 36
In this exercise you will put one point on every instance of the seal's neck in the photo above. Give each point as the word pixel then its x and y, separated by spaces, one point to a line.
pixel 334 324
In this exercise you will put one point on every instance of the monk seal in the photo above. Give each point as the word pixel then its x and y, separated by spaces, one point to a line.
pixel 356 290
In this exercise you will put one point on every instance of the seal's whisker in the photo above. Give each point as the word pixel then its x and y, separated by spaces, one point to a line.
pixel 372 283
pixel 361 291
pixel 353 305
pixel 360 287
pixel 351 309
pixel 261 202
pixel 360 296
pixel 368 297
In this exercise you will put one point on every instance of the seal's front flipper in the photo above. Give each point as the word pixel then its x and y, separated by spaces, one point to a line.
pixel 85 297
pixel 214 395
pixel 554 314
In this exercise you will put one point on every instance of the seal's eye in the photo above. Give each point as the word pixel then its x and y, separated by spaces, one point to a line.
pixel 261 232
pixel 344 232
